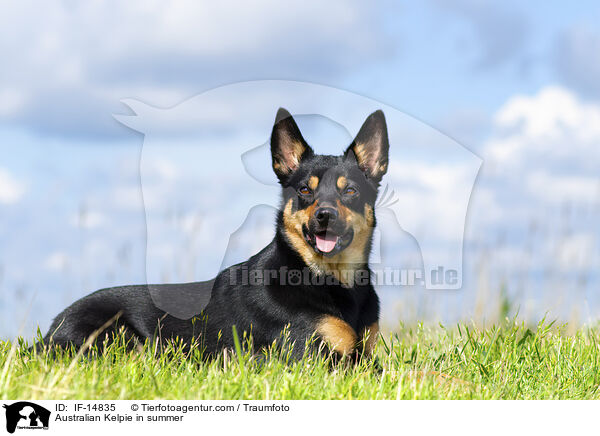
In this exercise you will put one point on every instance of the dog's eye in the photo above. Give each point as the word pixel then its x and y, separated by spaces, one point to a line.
pixel 304 190
pixel 350 191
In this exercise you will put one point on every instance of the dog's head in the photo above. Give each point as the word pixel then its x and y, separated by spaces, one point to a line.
pixel 328 201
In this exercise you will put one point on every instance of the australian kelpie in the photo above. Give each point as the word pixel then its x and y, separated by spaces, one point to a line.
pixel 313 279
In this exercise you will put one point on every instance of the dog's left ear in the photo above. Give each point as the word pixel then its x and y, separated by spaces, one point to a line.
pixel 288 147
pixel 371 147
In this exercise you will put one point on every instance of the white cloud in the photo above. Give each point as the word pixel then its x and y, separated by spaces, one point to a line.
pixel 556 188
pixel 550 113
pixel 57 261
pixel 69 75
pixel 426 190
pixel 543 187
pixel 548 144
pixel 11 190
pixel 553 124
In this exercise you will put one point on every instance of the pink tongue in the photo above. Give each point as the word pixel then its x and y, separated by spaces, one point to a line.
pixel 326 243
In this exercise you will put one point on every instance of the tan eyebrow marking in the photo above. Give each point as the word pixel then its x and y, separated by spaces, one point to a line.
pixel 341 182
pixel 313 182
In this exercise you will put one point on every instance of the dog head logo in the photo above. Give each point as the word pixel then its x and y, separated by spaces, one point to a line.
pixel 26 415
pixel 211 192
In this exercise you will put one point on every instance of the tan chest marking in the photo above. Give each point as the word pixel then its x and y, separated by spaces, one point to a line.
pixel 337 334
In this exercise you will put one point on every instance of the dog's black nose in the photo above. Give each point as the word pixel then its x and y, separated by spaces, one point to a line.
pixel 326 215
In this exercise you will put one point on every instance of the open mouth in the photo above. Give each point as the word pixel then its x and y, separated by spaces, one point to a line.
pixel 328 243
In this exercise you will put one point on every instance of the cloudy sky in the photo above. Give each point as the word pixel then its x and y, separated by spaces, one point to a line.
pixel 515 83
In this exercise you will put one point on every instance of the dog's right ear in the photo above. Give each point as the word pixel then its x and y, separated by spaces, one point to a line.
pixel 288 147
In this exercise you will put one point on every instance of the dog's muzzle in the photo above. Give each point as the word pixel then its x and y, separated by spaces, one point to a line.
pixel 326 234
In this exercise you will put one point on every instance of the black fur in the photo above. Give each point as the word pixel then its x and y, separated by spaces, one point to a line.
pixel 266 308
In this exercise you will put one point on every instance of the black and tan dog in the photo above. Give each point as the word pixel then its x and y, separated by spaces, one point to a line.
pixel 312 279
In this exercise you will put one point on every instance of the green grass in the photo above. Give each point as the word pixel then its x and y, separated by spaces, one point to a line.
pixel 509 361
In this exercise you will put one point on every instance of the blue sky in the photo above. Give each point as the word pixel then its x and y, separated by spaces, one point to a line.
pixel 514 82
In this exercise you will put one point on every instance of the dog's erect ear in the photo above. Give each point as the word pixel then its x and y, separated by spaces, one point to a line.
pixel 371 146
pixel 288 147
